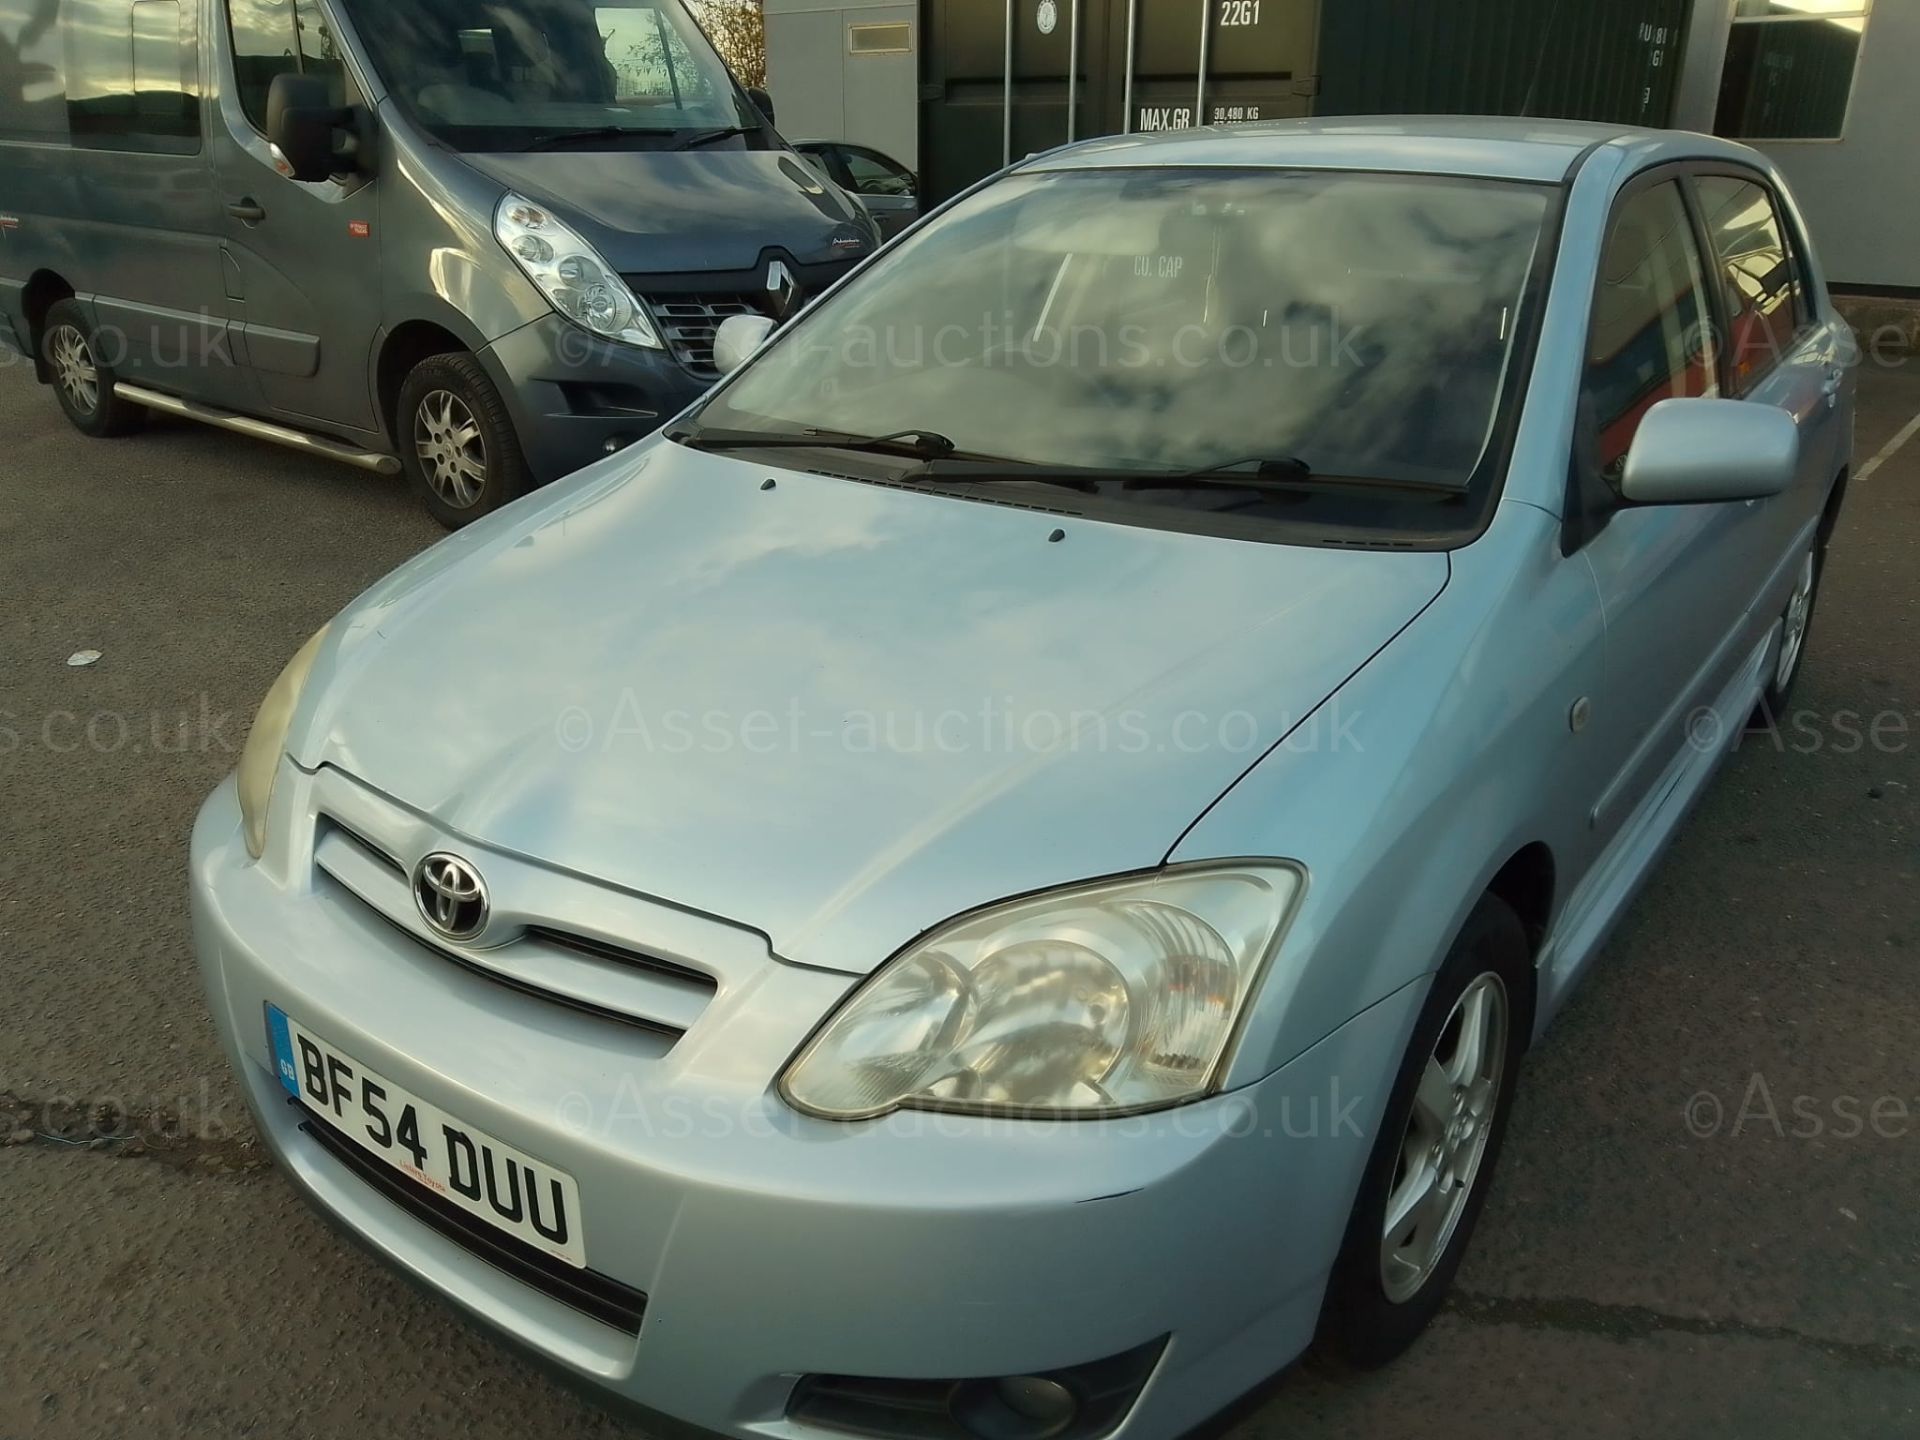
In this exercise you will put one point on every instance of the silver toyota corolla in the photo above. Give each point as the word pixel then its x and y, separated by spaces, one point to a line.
pixel 995 880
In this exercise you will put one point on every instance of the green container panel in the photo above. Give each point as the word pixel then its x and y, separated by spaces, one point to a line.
pixel 1613 60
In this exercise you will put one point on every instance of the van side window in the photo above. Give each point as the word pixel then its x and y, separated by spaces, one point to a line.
pixel 166 99
pixel 133 75
pixel 280 37
pixel 1766 303
pixel 1651 336
pixel 33 82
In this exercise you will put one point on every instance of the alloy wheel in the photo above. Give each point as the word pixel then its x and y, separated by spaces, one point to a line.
pixel 1793 627
pixel 452 450
pixel 1446 1140
pixel 73 368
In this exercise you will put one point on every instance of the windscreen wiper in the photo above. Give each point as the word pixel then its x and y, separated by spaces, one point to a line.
pixel 557 138
pixel 707 137
pixel 971 469
pixel 1278 474
pixel 1282 474
pixel 915 444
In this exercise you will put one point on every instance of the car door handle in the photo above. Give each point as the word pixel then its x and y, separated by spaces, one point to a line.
pixel 248 209
pixel 1830 387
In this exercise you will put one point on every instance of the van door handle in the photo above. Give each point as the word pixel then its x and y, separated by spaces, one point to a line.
pixel 247 209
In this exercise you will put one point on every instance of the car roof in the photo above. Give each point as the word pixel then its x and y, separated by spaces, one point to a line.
pixel 1498 147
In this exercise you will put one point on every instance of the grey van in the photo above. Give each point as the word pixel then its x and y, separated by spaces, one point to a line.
pixel 483 241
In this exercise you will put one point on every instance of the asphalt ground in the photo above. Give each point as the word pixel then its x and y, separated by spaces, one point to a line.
pixel 1706 1222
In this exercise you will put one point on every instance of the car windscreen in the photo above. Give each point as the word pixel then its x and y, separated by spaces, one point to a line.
pixel 1356 324
pixel 506 74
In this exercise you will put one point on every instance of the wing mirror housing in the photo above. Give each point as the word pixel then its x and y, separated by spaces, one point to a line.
pixel 1698 451
pixel 316 138
pixel 763 100
pixel 738 337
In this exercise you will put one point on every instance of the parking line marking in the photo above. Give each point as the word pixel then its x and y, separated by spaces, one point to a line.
pixel 1888 450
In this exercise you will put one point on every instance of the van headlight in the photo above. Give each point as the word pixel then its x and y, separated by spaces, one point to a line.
pixel 1100 999
pixel 260 758
pixel 570 273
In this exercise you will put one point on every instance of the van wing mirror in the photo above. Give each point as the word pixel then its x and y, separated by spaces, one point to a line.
pixel 763 100
pixel 1694 451
pixel 736 340
pixel 303 124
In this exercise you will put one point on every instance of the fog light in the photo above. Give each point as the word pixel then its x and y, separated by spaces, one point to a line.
pixel 1075 1402
pixel 1034 1397
pixel 1016 1407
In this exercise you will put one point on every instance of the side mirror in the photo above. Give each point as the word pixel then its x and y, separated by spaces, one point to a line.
pixel 1693 451
pixel 736 340
pixel 762 99
pixel 302 123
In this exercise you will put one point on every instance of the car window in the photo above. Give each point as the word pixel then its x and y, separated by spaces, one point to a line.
pixel 872 175
pixel 1651 336
pixel 1766 303
pixel 281 37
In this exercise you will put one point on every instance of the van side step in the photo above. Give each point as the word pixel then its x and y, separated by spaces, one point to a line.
pixel 260 429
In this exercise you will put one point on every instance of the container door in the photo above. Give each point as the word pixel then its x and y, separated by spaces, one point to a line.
pixel 998 85
pixel 1212 62
pixel 1001 82
pixel 1612 60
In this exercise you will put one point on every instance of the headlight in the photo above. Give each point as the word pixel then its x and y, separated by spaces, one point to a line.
pixel 260 759
pixel 570 273
pixel 1115 997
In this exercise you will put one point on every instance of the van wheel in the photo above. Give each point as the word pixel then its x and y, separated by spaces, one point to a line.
pixel 457 441
pixel 1427 1178
pixel 81 383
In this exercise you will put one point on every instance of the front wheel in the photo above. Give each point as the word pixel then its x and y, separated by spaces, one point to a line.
pixel 457 440
pixel 82 381
pixel 1427 1178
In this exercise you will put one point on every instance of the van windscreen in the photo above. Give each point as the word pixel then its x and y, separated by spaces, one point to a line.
pixel 514 74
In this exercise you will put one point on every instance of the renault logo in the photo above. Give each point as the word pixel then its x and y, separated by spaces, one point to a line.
pixel 451 895
pixel 782 287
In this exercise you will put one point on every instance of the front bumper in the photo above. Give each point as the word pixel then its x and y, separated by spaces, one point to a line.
pixel 571 393
pixel 771 1245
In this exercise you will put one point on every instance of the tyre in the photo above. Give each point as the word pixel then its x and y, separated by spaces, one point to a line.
pixel 1427 1179
pixel 1795 621
pixel 457 440
pixel 82 382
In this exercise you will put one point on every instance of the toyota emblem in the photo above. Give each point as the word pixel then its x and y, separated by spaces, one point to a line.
pixel 451 895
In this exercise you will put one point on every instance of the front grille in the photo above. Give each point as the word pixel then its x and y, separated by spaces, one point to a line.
pixel 688 324
pixel 583 972
pixel 601 1296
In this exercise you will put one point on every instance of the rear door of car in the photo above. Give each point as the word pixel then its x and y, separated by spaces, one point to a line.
pixel 1781 349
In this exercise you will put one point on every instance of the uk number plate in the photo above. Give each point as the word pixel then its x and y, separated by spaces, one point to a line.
pixel 487 1178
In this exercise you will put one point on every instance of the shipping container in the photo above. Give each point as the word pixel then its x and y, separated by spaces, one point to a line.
pixel 1003 78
